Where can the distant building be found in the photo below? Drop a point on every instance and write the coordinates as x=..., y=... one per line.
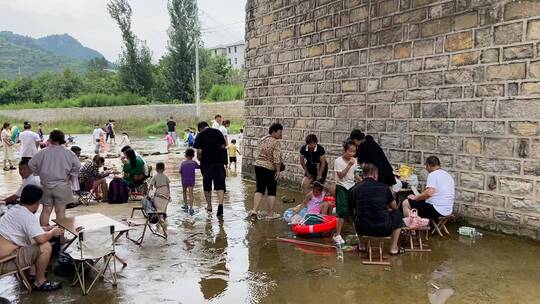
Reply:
x=234, y=53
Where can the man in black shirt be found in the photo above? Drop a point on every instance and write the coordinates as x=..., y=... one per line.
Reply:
x=171, y=128
x=370, y=201
x=313, y=161
x=369, y=151
x=210, y=145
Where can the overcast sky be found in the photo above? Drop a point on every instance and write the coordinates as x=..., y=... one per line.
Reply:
x=89, y=22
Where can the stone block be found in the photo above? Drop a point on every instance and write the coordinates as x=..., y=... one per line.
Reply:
x=268, y=19
x=498, y=147
x=430, y=79
x=497, y=165
x=332, y=47
x=524, y=205
x=489, y=127
x=420, y=126
x=324, y=23
x=395, y=82
x=518, y=52
x=435, y=110
x=450, y=93
x=531, y=168
x=534, y=69
x=465, y=196
x=351, y=58
x=436, y=62
x=402, y=50
x=381, y=111
x=490, y=56
x=449, y=144
x=442, y=126
x=472, y=146
x=458, y=76
x=349, y=86
x=507, y=217
x=491, y=200
x=524, y=128
x=401, y=111
x=425, y=142
x=532, y=221
x=459, y=41
x=372, y=85
x=467, y=58
x=307, y=28
x=509, y=33
x=436, y=27
x=381, y=54
x=413, y=16
x=286, y=33
x=483, y=37
x=517, y=186
x=357, y=42
x=520, y=109
x=506, y=71
x=411, y=65
x=528, y=88
x=307, y=88
x=465, y=21
x=414, y=158
x=285, y=56
x=533, y=30
x=423, y=47
x=490, y=90
x=390, y=141
x=471, y=180
x=420, y=95
x=397, y=156
x=316, y=50
x=376, y=125
x=325, y=124
x=521, y=9
x=388, y=7
x=359, y=13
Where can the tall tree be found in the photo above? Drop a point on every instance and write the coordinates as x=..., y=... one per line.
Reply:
x=183, y=39
x=135, y=64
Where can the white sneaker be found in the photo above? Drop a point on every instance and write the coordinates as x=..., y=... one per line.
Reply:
x=338, y=239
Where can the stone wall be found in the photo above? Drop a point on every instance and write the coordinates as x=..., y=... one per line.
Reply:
x=229, y=110
x=457, y=79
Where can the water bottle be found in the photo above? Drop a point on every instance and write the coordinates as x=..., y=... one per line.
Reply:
x=359, y=170
x=469, y=231
x=339, y=251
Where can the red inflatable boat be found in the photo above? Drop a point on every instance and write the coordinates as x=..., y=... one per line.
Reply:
x=329, y=223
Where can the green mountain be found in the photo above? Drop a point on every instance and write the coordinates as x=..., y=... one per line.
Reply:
x=26, y=56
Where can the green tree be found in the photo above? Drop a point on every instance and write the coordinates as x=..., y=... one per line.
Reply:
x=97, y=64
x=135, y=62
x=179, y=64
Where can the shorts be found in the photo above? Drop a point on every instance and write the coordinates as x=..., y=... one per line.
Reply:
x=60, y=195
x=172, y=134
x=213, y=174
x=8, y=153
x=188, y=183
x=26, y=256
x=396, y=221
x=232, y=159
x=342, y=202
x=425, y=210
x=266, y=181
x=314, y=171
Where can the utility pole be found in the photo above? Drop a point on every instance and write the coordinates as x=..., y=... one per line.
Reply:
x=197, y=92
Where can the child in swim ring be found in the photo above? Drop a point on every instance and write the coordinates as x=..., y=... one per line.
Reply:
x=313, y=204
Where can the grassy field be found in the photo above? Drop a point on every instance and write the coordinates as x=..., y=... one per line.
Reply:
x=135, y=127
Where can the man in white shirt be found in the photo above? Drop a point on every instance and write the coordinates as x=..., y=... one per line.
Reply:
x=225, y=130
x=29, y=142
x=21, y=234
x=437, y=200
x=56, y=166
x=217, y=121
x=96, y=135
x=27, y=179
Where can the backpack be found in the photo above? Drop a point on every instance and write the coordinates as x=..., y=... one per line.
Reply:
x=118, y=192
x=190, y=139
x=150, y=210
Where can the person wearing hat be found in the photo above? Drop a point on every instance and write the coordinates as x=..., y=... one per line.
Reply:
x=56, y=166
x=21, y=234
x=29, y=142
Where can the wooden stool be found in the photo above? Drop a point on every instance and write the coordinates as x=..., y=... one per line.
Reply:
x=415, y=239
x=439, y=226
x=375, y=259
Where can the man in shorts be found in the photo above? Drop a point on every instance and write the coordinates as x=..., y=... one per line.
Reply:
x=171, y=128
x=21, y=234
x=210, y=145
x=56, y=167
x=438, y=198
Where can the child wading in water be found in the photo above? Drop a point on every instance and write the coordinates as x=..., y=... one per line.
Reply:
x=125, y=140
x=187, y=174
x=232, y=149
x=345, y=167
x=170, y=141
x=162, y=184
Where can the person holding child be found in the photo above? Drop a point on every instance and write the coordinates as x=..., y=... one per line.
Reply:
x=187, y=175
x=345, y=167
x=162, y=186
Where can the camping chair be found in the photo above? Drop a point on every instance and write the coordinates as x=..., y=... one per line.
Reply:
x=150, y=216
x=19, y=271
x=94, y=245
x=85, y=195
x=439, y=226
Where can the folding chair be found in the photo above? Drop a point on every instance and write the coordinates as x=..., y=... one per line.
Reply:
x=150, y=216
x=439, y=226
x=94, y=245
x=18, y=271
x=415, y=241
x=377, y=258
x=85, y=195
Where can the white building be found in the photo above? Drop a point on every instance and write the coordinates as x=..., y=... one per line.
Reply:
x=234, y=53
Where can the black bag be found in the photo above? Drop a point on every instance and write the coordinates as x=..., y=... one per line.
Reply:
x=65, y=266
x=150, y=210
x=118, y=192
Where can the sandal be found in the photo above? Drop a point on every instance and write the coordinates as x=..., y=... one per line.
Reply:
x=47, y=286
x=12, y=168
x=6, y=169
x=401, y=250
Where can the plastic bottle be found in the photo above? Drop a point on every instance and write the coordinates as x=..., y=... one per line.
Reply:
x=339, y=251
x=469, y=231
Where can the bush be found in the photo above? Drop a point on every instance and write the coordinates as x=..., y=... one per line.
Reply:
x=223, y=92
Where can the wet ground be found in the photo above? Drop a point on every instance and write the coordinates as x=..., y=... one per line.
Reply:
x=206, y=260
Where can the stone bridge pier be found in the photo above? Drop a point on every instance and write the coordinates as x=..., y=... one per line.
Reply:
x=454, y=78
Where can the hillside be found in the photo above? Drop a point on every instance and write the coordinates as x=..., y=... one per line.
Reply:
x=29, y=56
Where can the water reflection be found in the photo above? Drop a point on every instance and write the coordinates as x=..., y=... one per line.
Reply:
x=215, y=248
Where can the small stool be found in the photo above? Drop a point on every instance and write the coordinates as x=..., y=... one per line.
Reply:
x=374, y=259
x=439, y=226
x=415, y=239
